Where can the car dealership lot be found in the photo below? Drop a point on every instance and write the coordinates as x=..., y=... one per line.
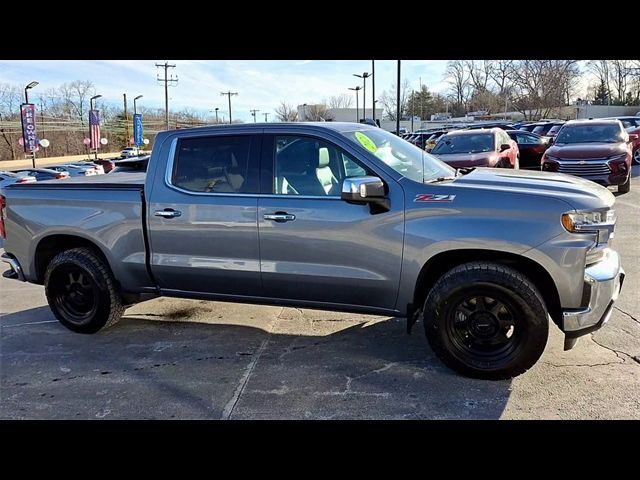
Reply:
x=171, y=358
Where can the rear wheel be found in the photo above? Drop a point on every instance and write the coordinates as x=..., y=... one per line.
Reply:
x=81, y=291
x=486, y=320
x=626, y=186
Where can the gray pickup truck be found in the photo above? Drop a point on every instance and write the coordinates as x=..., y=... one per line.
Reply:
x=336, y=216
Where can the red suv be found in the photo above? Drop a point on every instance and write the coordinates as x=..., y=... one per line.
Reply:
x=478, y=148
x=632, y=125
x=598, y=150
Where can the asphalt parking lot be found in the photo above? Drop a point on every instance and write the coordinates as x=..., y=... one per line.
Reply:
x=186, y=359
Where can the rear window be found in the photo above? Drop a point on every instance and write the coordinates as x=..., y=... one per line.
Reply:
x=481, y=142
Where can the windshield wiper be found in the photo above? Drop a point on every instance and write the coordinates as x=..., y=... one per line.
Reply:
x=440, y=179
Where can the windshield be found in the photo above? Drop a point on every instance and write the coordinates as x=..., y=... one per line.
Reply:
x=475, y=143
x=406, y=159
x=590, y=134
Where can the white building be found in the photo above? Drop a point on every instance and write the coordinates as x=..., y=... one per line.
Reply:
x=337, y=114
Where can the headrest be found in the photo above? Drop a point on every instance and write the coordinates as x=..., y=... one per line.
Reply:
x=323, y=157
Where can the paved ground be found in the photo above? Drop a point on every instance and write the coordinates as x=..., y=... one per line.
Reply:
x=194, y=359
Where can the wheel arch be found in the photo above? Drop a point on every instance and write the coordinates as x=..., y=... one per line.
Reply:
x=441, y=263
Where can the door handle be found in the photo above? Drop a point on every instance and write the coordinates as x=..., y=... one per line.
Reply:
x=167, y=213
x=280, y=217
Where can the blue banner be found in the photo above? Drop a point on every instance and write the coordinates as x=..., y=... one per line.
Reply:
x=137, y=129
x=28, y=117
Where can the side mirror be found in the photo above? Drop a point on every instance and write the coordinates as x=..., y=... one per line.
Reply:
x=504, y=146
x=550, y=140
x=370, y=190
x=633, y=137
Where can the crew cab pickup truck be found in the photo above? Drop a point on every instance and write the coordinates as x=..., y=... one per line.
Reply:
x=336, y=216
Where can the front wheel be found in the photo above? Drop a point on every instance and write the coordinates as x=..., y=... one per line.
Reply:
x=636, y=156
x=486, y=320
x=81, y=291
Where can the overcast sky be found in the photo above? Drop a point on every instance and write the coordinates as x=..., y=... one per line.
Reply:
x=261, y=84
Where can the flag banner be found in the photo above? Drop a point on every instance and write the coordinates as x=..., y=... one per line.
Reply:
x=137, y=129
x=94, y=129
x=28, y=116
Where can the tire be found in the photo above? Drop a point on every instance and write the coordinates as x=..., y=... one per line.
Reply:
x=636, y=156
x=476, y=342
x=626, y=186
x=81, y=291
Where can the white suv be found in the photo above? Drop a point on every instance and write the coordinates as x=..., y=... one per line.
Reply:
x=129, y=152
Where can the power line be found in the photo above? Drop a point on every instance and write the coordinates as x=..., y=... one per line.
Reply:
x=229, y=94
x=167, y=81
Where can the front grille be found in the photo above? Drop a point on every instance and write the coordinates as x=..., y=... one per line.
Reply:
x=584, y=169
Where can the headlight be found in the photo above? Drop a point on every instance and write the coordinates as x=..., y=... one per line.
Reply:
x=601, y=222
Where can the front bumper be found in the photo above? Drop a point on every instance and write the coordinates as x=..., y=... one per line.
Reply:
x=15, y=271
x=602, y=284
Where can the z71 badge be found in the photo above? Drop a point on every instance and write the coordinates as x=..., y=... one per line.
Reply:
x=432, y=197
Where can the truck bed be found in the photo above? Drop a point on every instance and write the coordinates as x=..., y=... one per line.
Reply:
x=106, y=210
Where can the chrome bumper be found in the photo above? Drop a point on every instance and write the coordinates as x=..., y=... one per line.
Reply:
x=602, y=285
x=16, y=271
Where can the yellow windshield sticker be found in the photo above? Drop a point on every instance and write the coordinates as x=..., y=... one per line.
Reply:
x=366, y=142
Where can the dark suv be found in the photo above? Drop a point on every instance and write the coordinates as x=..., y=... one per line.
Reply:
x=598, y=150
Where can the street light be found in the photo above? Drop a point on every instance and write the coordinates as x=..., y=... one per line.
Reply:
x=364, y=77
x=304, y=109
x=216, y=110
x=26, y=94
x=91, y=108
x=357, y=89
x=134, y=103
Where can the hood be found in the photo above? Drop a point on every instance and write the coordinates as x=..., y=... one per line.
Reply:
x=586, y=151
x=578, y=192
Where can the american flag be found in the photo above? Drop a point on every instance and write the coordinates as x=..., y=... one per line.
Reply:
x=94, y=126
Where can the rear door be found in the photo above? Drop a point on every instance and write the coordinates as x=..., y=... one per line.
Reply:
x=314, y=246
x=202, y=216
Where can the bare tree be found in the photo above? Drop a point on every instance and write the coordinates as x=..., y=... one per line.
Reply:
x=457, y=76
x=388, y=100
x=600, y=68
x=479, y=72
x=286, y=113
x=621, y=77
x=500, y=72
x=340, y=101
x=10, y=98
x=539, y=86
x=76, y=95
x=317, y=113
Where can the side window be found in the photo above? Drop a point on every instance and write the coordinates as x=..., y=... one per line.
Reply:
x=527, y=139
x=310, y=166
x=215, y=165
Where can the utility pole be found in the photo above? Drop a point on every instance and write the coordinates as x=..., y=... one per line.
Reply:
x=253, y=114
x=420, y=101
x=265, y=117
x=126, y=120
x=167, y=81
x=229, y=94
x=373, y=88
x=216, y=110
x=398, y=102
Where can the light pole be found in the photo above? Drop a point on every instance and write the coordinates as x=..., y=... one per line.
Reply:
x=135, y=111
x=216, y=110
x=95, y=97
x=266, y=114
x=364, y=77
x=373, y=88
x=304, y=110
x=357, y=89
x=26, y=100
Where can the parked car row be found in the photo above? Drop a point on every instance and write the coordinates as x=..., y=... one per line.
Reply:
x=600, y=150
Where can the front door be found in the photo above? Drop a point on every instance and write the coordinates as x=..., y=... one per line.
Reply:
x=202, y=216
x=316, y=247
